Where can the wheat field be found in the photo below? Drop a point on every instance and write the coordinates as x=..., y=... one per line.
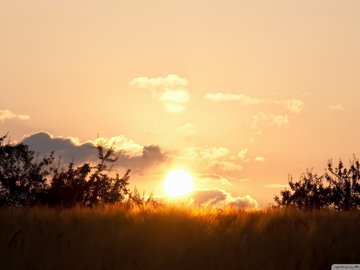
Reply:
x=176, y=237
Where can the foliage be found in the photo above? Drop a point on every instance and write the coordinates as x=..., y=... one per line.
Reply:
x=344, y=184
x=338, y=188
x=88, y=185
x=22, y=177
x=24, y=181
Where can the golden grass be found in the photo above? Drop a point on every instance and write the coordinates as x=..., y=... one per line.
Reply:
x=176, y=237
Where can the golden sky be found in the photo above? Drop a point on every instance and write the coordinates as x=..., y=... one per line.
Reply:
x=241, y=93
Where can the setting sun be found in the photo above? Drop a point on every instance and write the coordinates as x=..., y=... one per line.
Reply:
x=178, y=183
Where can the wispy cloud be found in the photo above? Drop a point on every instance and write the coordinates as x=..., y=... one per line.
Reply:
x=188, y=130
x=336, y=107
x=292, y=105
x=7, y=114
x=244, y=99
x=171, y=81
x=205, y=153
x=213, y=179
x=260, y=159
x=171, y=91
x=242, y=154
x=260, y=119
x=279, y=120
x=225, y=166
x=213, y=160
x=276, y=185
x=119, y=143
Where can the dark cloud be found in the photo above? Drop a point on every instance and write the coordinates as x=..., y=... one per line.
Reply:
x=151, y=155
x=69, y=150
x=43, y=143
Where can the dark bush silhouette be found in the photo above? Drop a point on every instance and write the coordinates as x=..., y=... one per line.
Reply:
x=88, y=185
x=25, y=181
x=308, y=193
x=344, y=184
x=338, y=188
x=22, y=177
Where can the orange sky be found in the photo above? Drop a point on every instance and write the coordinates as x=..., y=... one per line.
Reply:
x=242, y=93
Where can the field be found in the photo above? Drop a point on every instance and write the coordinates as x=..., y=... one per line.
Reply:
x=176, y=237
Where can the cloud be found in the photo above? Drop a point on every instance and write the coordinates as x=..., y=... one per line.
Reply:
x=213, y=178
x=205, y=153
x=221, y=198
x=337, y=107
x=218, y=97
x=276, y=185
x=188, y=130
x=171, y=91
x=225, y=166
x=209, y=197
x=131, y=155
x=243, y=154
x=174, y=100
x=179, y=96
x=119, y=143
x=168, y=82
x=256, y=121
x=69, y=149
x=292, y=105
x=260, y=119
x=216, y=160
x=279, y=120
x=260, y=159
x=7, y=114
x=246, y=202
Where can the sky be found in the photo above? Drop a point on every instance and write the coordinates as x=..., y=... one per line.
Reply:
x=241, y=94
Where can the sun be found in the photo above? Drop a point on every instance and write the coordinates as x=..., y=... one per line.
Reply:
x=178, y=183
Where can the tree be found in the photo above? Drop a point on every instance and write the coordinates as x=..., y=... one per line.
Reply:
x=22, y=176
x=88, y=185
x=344, y=184
x=339, y=191
x=25, y=181
x=308, y=193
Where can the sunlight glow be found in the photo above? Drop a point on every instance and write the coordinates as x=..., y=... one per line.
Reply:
x=178, y=183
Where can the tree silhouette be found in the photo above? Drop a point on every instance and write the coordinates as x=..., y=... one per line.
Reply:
x=345, y=185
x=22, y=177
x=308, y=193
x=338, y=188
x=26, y=181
